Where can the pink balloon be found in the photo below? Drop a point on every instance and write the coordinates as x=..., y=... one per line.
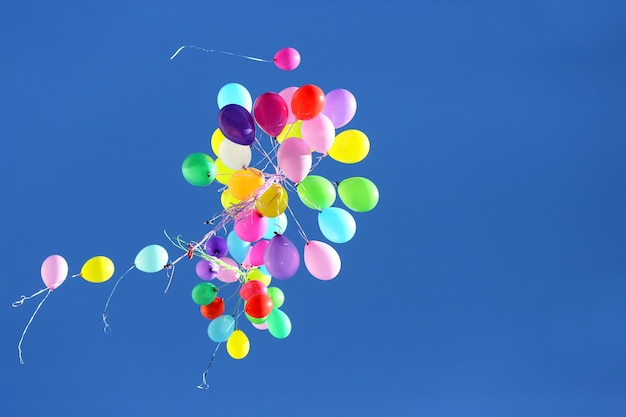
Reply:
x=321, y=260
x=270, y=113
x=340, y=107
x=294, y=159
x=54, y=270
x=250, y=226
x=255, y=256
x=287, y=59
x=286, y=94
x=226, y=274
x=261, y=326
x=318, y=133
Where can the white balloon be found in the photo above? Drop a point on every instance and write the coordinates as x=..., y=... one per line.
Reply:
x=234, y=155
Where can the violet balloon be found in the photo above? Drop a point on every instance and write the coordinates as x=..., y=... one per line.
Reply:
x=237, y=124
x=206, y=270
x=216, y=246
x=340, y=107
x=270, y=113
x=282, y=259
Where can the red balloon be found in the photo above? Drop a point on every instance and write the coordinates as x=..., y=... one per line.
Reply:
x=252, y=288
x=213, y=310
x=259, y=306
x=307, y=102
x=270, y=113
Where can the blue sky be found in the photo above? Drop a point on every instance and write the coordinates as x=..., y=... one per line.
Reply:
x=489, y=280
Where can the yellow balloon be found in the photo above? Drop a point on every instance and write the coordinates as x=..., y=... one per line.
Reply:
x=350, y=146
x=238, y=345
x=244, y=182
x=97, y=269
x=222, y=172
x=228, y=200
x=256, y=275
x=216, y=138
x=273, y=201
x=291, y=130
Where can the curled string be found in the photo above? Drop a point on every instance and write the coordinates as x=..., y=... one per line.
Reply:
x=24, y=298
x=107, y=326
x=219, y=52
x=204, y=384
x=19, y=345
x=170, y=275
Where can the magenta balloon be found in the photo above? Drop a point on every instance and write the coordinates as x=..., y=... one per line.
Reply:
x=318, y=133
x=287, y=94
x=271, y=112
x=54, y=270
x=294, y=159
x=321, y=260
x=228, y=274
x=340, y=107
x=287, y=59
x=255, y=256
x=250, y=226
x=282, y=259
x=237, y=124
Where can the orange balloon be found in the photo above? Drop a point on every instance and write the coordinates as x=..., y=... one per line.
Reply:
x=244, y=182
x=307, y=102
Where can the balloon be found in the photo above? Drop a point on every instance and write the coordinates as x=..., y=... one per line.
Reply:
x=199, y=169
x=204, y=293
x=216, y=140
x=54, y=270
x=234, y=93
x=294, y=159
x=340, y=107
x=234, y=156
x=206, y=270
x=216, y=246
x=97, y=269
x=287, y=59
x=255, y=320
x=270, y=113
x=277, y=296
x=255, y=256
x=259, y=305
x=252, y=288
x=318, y=133
x=336, y=224
x=221, y=328
x=276, y=225
x=250, y=226
x=281, y=257
x=237, y=248
x=261, y=326
x=257, y=275
x=292, y=130
x=316, y=192
x=350, y=146
x=152, y=258
x=227, y=199
x=237, y=124
x=238, y=345
x=287, y=94
x=278, y=324
x=307, y=102
x=244, y=182
x=358, y=194
x=321, y=260
x=273, y=201
x=214, y=309
x=222, y=172
x=228, y=274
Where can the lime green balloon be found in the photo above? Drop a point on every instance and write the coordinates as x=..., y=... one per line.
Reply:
x=199, y=169
x=358, y=194
x=256, y=320
x=277, y=296
x=316, y=192
x=204, y=293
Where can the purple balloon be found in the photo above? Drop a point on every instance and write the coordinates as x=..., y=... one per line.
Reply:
x=281, y=257
x=216, y=246
x=340, y=107
x=237, y=124
x=206, y=270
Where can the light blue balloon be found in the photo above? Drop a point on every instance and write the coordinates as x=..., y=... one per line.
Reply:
x=152, y=258
x=234, y=93
x=264, y=270
x=336, y=224
x=237, y=248
x=221, y=328
x=276, y=225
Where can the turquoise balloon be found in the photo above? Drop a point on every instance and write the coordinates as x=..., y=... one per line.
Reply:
x=264, y=270
x=152, y=258
x=336, y=224
x=237, y=248
x=221, y=328
x=278, y=324
x=234, y=93
x=275, y=225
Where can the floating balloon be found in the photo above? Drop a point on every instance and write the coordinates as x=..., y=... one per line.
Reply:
x=250, y=226
x=152, y=258
x=294, y=159
x=252, y=288
x=350, y=146
x=228, y=273
x=214, y=309
x=234, y=156
x=257, y=275
x=255, y=256
x=270, y=113
x=281, y=257
x=277, y=296
x=321, y=260
x=227, y=199
x=307, y=102
x=318, y=133
x=336, y=224
x=216, y=246
x=291, y=130
x=244, y=182
x=206, y=270
x=199, y=169
x=287, y=59
x=237, y=247
x=273, y=202
x=97, y=269
x=237, y=124
x=259, y=305
x=234, y=93
x=204, y=293
x=238, y=345
x=358, y=194
x=287, y=94
x=54, y=270
x=340, y=107
x=222, y=172
x=278, y=324
x=221, y=328
x=276, y=226
x=316, y=192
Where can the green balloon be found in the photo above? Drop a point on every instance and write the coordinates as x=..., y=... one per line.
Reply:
x=316, y=192
x=256, y=320
x=277, y=296
x=199, y=169
x=278, y=324
x=358, y=194
x=204, y=293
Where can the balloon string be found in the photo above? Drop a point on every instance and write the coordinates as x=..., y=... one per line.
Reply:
x=300, y=229
x=204, y=384
x=219, y=52
x=24, y=298
x=170, y=275
x=19, y=345
x=107, y=326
